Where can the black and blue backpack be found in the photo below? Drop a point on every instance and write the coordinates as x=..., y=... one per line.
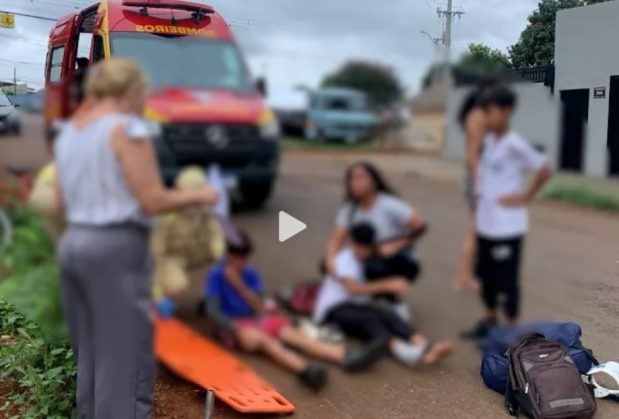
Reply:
x=495, y=366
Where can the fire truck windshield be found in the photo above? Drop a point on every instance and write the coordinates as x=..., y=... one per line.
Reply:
x=185, y=61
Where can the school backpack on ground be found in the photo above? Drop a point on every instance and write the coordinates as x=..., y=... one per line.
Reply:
x=299, y=298
x=494, y=365
x=544, y=382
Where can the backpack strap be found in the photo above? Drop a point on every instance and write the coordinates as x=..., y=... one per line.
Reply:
x=511, y=401
x=588, y=379
x=589, y=353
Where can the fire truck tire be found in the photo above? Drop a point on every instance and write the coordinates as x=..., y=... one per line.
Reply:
x=255, y=195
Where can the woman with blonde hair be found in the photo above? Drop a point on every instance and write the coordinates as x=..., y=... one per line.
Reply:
x=109, y=186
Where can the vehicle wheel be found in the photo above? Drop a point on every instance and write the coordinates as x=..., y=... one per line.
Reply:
x=255, y=195
x=17, y=130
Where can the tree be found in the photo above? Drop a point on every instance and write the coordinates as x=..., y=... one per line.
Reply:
x=379, y=82
x=479, y=60
x=536, y=45
x=482, y=59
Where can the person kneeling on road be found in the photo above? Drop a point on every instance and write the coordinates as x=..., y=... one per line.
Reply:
x=345, y=300
x=234, y=301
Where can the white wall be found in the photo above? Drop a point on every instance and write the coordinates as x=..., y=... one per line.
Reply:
x=586, y=55
x=536, y=118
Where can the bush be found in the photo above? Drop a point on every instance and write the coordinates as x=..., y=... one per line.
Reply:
x=35, y=359
x=42, y=374
x=31, y=282
x=584, y=197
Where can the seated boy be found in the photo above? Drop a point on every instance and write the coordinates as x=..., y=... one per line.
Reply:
x=234, y=292
x=502, y=216
x=345, y=301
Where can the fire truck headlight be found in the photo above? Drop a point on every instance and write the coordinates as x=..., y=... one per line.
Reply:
x=269, y=126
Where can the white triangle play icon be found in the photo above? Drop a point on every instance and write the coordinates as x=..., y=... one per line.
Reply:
x=289, y=226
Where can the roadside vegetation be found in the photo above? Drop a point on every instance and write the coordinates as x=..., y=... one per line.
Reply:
x=299, y=144
x=37, y=372
x=584, y=197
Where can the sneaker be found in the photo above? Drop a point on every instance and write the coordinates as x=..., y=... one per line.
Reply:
x=314, y=376
x=361, y=358
x=480, y=331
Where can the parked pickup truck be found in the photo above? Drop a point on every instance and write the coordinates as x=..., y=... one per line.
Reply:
x=339, y=114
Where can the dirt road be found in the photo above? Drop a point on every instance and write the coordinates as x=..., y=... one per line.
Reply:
x=571, y=273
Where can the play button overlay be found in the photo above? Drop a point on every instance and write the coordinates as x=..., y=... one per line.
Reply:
x=289, y=226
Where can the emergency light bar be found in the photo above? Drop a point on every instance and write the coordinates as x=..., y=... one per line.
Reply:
x=198, y=11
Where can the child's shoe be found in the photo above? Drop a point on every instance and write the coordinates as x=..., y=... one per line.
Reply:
x=314, y=376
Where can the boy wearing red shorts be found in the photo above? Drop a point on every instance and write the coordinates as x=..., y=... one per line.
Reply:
x=234, y=301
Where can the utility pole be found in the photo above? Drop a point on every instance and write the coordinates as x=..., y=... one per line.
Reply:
x=436, y=41
x=448, y=14
x=437, y=50
x=15, y=81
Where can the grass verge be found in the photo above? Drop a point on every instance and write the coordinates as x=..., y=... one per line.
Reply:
x=297, y=144
x=584, y=197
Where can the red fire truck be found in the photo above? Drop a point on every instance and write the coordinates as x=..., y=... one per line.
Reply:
x=203, y=105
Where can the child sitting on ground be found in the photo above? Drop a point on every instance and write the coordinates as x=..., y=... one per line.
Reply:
x=234, y=301
x=345, y=300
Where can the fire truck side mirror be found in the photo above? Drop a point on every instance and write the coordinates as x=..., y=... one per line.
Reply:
x=261, y=86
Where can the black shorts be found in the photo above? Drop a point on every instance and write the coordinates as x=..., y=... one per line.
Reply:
x=368, y=322
x=498, y=269
x=401, y=265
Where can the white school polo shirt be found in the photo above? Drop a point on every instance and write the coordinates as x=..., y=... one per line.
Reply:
x=333, y=292
x=504, y=162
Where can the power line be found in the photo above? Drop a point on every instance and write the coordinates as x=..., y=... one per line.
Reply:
x=62, y=4
x=19, y=38
x=49, y=19
x=20, y=62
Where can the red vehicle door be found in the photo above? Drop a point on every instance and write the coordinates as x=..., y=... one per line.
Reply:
x=59, y=69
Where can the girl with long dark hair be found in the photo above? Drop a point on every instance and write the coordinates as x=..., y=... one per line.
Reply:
x=370, y=199
x=472, y=119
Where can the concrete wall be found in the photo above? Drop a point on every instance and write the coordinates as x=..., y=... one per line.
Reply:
x=427, y=132
x=537, y=119
x=586, y=56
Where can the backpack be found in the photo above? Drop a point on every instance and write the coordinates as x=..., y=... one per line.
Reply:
x=299, y=299
x=544, y=382
x=494, y=365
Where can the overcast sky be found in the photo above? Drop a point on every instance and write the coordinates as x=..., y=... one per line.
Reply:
x=296, y=42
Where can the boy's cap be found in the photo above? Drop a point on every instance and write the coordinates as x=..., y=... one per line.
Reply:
x=363, y=234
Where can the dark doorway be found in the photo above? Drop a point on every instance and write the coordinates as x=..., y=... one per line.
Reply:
x=613, y=126
x=575, y=117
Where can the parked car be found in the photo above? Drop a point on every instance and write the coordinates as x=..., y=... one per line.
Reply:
x=339, y=114
x=9, y=116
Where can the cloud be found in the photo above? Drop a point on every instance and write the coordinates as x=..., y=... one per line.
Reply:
x=297, y=41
